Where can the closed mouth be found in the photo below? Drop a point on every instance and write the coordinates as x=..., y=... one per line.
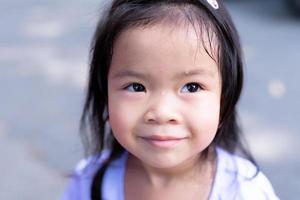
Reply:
x=163, y=141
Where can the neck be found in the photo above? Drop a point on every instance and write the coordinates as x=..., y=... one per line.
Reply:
x=192, y=170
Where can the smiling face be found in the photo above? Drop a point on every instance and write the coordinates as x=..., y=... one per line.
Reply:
x=163, y=94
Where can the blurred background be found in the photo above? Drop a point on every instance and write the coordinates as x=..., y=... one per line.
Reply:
x=44, y=49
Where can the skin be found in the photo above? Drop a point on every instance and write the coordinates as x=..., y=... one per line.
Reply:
x=164, y=103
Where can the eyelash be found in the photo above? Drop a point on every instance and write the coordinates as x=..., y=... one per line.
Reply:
x=190, y=87
x=195, y=87
x=135, y=87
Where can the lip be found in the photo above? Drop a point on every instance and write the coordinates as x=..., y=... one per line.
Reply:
x=163, y=141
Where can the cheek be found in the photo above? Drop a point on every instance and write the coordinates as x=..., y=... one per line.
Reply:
x=117, y=117
x=205, y=119
x=123, y=116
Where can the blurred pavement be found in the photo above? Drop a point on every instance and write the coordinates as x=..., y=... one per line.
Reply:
x=43, y=66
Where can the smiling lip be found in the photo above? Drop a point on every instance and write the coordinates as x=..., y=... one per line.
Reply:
x=163, y=141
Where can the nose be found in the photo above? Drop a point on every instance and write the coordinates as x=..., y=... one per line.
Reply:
x=162, y=109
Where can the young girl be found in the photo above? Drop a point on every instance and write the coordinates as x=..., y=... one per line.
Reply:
x=164, y=82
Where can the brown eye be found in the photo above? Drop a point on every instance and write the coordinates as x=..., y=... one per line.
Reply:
x=136, y=87
x=191, y=88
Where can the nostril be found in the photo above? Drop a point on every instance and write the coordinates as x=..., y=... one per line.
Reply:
x=151, y=120
x=173, y=121
x=160, y=118
x=149, y=117
x=161, y=111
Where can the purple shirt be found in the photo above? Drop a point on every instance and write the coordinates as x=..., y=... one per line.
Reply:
x=233, y=179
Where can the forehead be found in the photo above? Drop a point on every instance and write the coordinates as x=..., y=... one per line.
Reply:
x=198, y=35
x=161, y=45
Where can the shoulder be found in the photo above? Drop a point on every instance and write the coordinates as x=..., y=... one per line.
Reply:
x=81, y=179
x=240, y=179
x=89, y=165
x=231, y=164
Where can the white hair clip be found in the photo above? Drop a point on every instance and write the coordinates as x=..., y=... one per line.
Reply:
x=213, y=3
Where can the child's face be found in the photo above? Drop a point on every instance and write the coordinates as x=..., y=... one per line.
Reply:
x=163, y=95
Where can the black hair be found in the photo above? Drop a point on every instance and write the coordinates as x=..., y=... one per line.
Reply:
x=124, y=14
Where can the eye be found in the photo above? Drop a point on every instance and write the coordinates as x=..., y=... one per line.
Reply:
x=191, y=88
x=135, y=87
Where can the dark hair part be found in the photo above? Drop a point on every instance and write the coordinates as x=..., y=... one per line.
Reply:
x=124, y=14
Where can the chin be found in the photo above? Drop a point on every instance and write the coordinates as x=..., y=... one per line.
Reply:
x=165, y=162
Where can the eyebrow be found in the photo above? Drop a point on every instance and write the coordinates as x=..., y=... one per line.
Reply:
x=129, y=73
x=194, y=72
x=180, y=75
